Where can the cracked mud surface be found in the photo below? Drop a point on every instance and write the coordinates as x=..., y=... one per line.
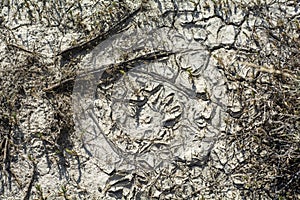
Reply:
x=169, y=106
x=149, y=100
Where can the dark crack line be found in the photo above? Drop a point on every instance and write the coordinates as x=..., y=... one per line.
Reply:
x=84, y=48
x=32, y=180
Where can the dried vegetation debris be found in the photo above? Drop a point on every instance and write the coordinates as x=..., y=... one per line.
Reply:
x=266, y=83
x=35, y=125
x=255, y=44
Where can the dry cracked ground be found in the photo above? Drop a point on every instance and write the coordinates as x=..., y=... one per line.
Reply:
x=149, y=99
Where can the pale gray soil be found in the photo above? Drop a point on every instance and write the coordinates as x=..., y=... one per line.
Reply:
x=157, y=99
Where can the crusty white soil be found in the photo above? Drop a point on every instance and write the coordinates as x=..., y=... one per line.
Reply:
x=48, y=153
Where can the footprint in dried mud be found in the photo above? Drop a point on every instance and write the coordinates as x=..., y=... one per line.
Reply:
x=145, y=99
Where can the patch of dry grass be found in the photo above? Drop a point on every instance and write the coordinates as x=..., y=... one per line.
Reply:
x=268, y=128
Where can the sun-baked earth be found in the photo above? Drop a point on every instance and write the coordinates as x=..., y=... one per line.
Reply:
x=149, y=99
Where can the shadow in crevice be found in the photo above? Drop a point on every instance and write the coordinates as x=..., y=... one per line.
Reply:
x=64, y=142
x=65, y=145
